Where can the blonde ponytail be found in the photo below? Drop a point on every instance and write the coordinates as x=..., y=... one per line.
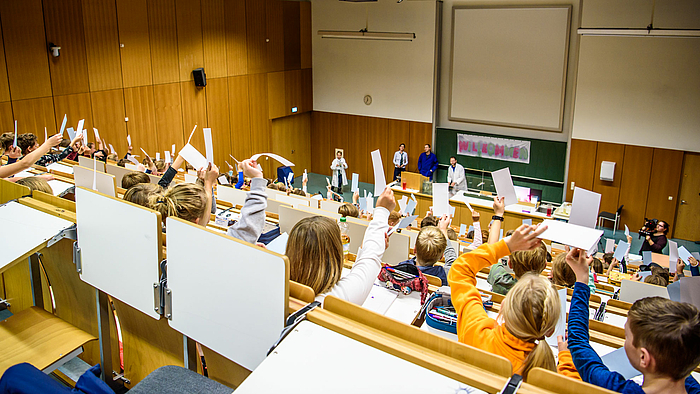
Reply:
x=186, y=201
x=529, y=312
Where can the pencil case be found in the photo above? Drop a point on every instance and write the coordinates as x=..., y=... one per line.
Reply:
x=437, y=313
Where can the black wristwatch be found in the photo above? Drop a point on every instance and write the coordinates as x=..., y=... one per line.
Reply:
x=496, y=217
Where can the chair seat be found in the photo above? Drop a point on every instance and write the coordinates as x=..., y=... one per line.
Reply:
x=39, y=338
x=172, y=379
x=607, y=215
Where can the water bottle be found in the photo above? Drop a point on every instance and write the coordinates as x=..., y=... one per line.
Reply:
x=344, y=237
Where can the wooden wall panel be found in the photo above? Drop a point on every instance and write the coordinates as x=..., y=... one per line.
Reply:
x=306, y=34
x=329, y=131
x=357, y=148
x=634, y=184
x=239, y=113
x=108, y=116
x=419, y=135
x=236, y=49
x=582, y=164
x=292, y=91
x=276, y=95
x=4, y=84
x=610, y=191
x=189, y=37
x=34, y=114
x=77, y=107
x=162, y=27
x=275, y=35
x=219, y=121
x=25, y=49
x=256, y=36
x=64, y=27
x=664, y=183
x=7, y=120
x=377, y=139
x=307, y=90
x=139, y=108
x=260, y=128
x=136, y=50
x=214, y=38
x=292, y=35
x=194, y=112
x=102, y=44
x=168, y=107
x=291, y=138
x=397, y=133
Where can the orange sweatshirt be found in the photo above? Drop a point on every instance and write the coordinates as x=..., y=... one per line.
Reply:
x=474, y=327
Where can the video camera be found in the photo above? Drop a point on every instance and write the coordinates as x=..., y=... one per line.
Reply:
x=649, y=227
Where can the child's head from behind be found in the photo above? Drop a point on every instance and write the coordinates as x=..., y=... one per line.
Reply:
x=35, y=183
x=451, y=234
x=187, y=201
x=315, y=253
x=27, y=142
x=523, y=261
x=394, y=218
x=562, y=274
x=133, y=178
x=597, y=266
x=661, y=272
x=430, y=245
x=348, y=209
x=429, y=220
x=666, y=332
x=140, y=193
x=655, y=279
x=530, y=312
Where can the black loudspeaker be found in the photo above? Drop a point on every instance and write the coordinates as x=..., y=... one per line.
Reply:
x=200, y=78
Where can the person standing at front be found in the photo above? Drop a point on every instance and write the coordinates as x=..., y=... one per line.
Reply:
x=400, y=161
x=339, y=178
x=427, y=163
x=455, y=175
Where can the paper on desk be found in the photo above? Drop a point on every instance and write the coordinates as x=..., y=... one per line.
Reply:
x=379, y=179
x=223, y=180
x=441, y=197
x=584, y=208
x=527, y=221
x=674, y=291
x=273, y=156
x=627, y=231
x=63, y=125
x=560, y=328
x=128, y=139
x=410, y=207
x=279, y=244
x=621, y=250
x=690, y=290
x=403, y=223
x=570, y=234
x=402, y=203
x=462, y=229
x=609, y=245
x=646, y=257
x=617, y=361
x=504, y=185
x=192, y=156
x=684, y=254
x=672, y=256
x=380, y=299
x=208, y=144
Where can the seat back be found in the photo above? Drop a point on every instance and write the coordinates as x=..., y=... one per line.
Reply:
x=619, y=210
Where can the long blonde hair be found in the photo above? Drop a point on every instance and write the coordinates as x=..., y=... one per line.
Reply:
x=36, y=183
x=529, y=312
x=187, y=201
x=315, y=253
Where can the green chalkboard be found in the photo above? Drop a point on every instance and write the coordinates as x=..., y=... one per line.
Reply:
x=545, y=170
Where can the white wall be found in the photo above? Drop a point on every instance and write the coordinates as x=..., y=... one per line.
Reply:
x=398, y=75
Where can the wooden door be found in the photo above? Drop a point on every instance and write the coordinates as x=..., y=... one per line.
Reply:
x=688, y=214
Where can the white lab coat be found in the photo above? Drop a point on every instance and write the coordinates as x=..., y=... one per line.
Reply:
x=457, y=176
x=339, y=165
x=398, y=158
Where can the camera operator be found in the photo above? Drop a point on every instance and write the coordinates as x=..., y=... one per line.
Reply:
x=655, y=241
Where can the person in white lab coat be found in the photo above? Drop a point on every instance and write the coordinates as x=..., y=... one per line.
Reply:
x=400, y=161
x=455, y=175
x=339, y=178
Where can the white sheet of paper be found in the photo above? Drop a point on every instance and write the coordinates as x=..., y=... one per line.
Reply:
x=168, y=159
x=71, y=133
x=672, y=256
x=462, y=229
x=441, y=197
x=63, y=125
x=132, y=159
x=570, y=234
x=380, y=299
x=15, y=143
x=674, y=291
x=403, y=223
x=560, y=328
x=684, y=254
x=223, y=180
x=355, y=183
x=410, y=207
x=279, y=244
x=192, y=156
x=379, y=179
x=690, y=290
x=157, y=156
x=402, y=203
x=500, y=236
x=609, y=245
x=620, y=250
x=470, y=229
x=370, y=204
x=190, y=178
x=363, y=203
x=111, y=149
x=208, y=144
x=172, y=150
x=527, y=221
x=617, y=361
x=191, y=134
x=305, y=176
x=144, y=152
x=696, y=255
x=290, y=178
x=504, y=185
x=273, y=156
x=132, y=167
x=584, y=208
x=469, y=206
x=46, y=135
x=97, y=134
x=81, y=122
x=646, y=257
x=627, y=231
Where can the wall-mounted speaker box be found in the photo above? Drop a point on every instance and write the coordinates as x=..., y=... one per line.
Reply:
x=607, y=171
x=200, y=78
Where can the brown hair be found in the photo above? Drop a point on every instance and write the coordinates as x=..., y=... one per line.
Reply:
x=451, y=234
x=25, y=141
x=315, y=253
x=608, y=257
x=662, y=272
x=562, y=274
x=35, y=183
x=6, y=140
x=160, y=165
x=670, y=331
x=655, y=279
x=430, y=245
x=348, y=209
x=122, y=163
x=394, y=218
x=524, y=261
x=597, y=266
x=529, y=312
x=133, y=178
x=298, y=192
x=140, y=193
x=113, y=157
x=429, y=220
x=187, y=201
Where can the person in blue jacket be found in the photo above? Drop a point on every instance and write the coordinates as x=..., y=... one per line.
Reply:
x=427, y=162
x=662, y=340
